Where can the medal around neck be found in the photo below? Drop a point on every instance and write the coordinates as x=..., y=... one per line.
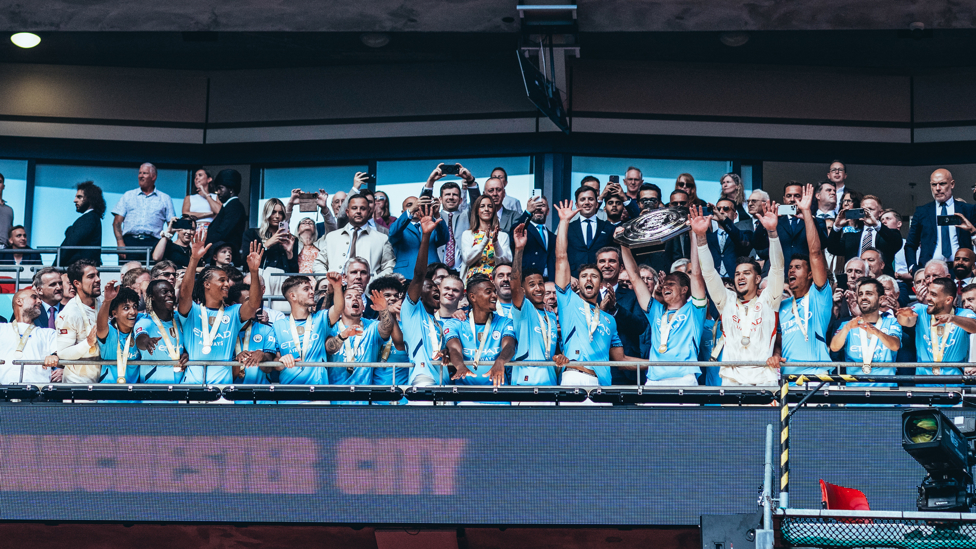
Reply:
x=654, y=228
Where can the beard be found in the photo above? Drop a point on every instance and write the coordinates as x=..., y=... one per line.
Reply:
x=29, y=315
x=81, y=208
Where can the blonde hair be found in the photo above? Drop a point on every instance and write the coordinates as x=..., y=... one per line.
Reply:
x=266, y=230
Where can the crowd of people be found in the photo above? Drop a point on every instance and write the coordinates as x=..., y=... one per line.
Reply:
x=463, y=284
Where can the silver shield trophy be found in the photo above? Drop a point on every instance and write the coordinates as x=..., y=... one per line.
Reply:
x=652, y=229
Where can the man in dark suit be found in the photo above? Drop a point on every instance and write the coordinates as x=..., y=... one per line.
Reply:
x=791, y=230
x=229, y=225
x=87, y=229
x=540, y=249
x=938, y=242
x=680, y=246
x=874, y=234
x=725, y=240
x=495, y=188
x=405, y=237
x=621, y=303
x=47, y=282
x=588, y=233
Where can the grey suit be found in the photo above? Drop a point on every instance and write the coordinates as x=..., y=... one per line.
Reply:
x=507, y=219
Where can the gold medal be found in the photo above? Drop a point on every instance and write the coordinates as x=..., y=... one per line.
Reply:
x=662, y=349
x=301, y=330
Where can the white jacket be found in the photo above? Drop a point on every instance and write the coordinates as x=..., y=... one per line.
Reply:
x=372, y=245
x=75, y=321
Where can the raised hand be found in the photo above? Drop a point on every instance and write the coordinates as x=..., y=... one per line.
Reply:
x=293, y=199
x=466, y=175
x=335, y=279
x=565, y=210
x=199, y=246
x=322, y=199
x=379, y=301
x=519, y=237
x=699, y=223
x=151, y=345
x=769, y=217
x=906, y=312
x=943, y=319
x=428, y=223
x=806, y=199
x=254, y=258
x=360, y=179
x=111, y=290
x=352, y=331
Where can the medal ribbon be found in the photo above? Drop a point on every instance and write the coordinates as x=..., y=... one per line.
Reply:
x=868, y=345
x=238, y=348
x=303, y=343
x=350, y=347
x=592, y=318
x=434, y=333
x=209, y=334
x=740, y=316
x=804, y=327
x=546, y=325
x=122, y=357
x=170, y=348
x=485, y=333
x=23, y=337
x=938, y=351
x=666, y=326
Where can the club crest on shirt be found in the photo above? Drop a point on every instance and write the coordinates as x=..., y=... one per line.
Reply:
x=257, y=338
x=496, y=335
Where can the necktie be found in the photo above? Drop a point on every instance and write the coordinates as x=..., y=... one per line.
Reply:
x=866, y=241
x=946, y=244
x=542, y=235
x=51, y=313
x=589, y=232
x=449, y=250
x=722, y=238
x=352, y=245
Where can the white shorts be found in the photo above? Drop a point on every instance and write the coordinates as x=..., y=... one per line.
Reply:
x=422, y=380
x=683, y=381
x=575, y=378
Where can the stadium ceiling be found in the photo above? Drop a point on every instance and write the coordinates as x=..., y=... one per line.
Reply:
x=492, y=16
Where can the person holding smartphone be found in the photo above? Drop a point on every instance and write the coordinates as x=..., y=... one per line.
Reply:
x=178, y=250
x=281, y=247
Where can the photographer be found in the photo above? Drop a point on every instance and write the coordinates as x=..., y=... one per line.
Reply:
x=177, y=251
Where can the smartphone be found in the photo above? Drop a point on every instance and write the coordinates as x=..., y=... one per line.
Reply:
x=947, y=220
x=787, y=209
x=306, y=202
x=283, y=226
x=856, y=213
x=842, y=281
x=615, y=179
x=450, y=169
x=535, y=192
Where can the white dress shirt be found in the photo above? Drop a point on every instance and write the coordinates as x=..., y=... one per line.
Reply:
x=41, y=343
x=953, y=235
x=592, y=222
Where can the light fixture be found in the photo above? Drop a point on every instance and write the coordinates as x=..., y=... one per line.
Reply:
x=375, y=39
x=734, y=39
x=25, y=39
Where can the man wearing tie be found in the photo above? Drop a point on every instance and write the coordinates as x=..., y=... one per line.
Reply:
x=937, y=241
x=872, y=235
x=47, y=282
x=726, y=241
x=454, y=211
x=791, y=229
x=539, y=253
x=588, y=233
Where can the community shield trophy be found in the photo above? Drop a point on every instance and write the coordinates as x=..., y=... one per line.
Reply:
x=652, y=229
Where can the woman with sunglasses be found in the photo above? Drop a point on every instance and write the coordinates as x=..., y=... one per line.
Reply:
x=686, y=183
x=381, y=210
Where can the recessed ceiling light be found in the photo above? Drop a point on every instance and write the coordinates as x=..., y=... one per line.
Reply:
x=375, y=39
x=25, y=39
x=734, y=39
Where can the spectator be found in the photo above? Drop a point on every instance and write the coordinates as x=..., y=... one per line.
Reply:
x=756, y=201
x=501, y=277
x=837, y=174
x=360, y=179
x=230, y=223
x=734, y=190
x=68, y=289
x=405, y=236
x=165, y=270
x=893, y=220
x=963, y=268
x=621, y=303
x=307, y=251
x=17, y=240
x=87, y=229
x=337, y=201
x=280, y=246
x=826, y=202
x=791, y=229
x=22, y=340
x=874, y=262
x=178, y=251
x=328, y=223
x=686, y=182
x=872, y=234
x=221, y=254
x=484, y=244
x=594, y=183
x=454, y=210
x=381, y=210
x=509, y=203
x=540, y=249
x=202, y=205
x=50, y=290
x=588, y=233
x=75, y=323
x=137, y=280
x=550, y=296
x=356, y=238
x=680, y=266
x=634, y=180
x=929, y=239
x=141, y=214
x=649, y=198
x=613, y=207
x=679, y=247
x=495, y=188
x=725, y=239
x=6, y=215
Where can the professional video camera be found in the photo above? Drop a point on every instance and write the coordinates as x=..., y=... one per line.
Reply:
x=945, y=449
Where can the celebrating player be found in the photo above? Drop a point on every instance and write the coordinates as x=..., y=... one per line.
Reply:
x=358, y=339
x=942, y=330
x=254, y=344
x=873, y=337
x=485, y=337
x=421, y=330
x=302, y=335
x=158, y=335
x=123, y=303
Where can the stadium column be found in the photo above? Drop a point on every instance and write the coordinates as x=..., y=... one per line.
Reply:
x=784, y=444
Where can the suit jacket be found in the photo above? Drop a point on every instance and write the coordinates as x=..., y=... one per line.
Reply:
x=85, y=231
x=41, y=321
x=848, y=245
x=372, y=245
x=736, y=246
x=581, y=254
x=792, y=238
x=538, y=254
x=459, y=222
x=229, y=226
x=677, y=248
x=923, y=232
x=405, y=238
x=506, y=221
x=631, y=324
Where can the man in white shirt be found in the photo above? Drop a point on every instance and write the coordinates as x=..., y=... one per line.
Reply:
x=76, y=323
x=748, y=318
x=355, y=239
x=22, y=340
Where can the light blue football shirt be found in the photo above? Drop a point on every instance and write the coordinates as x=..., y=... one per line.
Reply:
x=500, y=328
x=108, y=350
x=162, y=373
x=530, y=325
x=223, y=344
x=262, y=339
x=854, y=351
x=424, y=337
x=817, y=306
x=365, y=348
x=957, y=344
x=304, y=375
x=576, y=341
x=683, y=340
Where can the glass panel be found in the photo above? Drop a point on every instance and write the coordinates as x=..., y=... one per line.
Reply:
x=403, y=178
x=661, y=172
x=278, y=183
x=15, y=188
x=54, y=192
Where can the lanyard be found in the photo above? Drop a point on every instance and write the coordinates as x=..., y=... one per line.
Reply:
x=500, y=310
x=23, y=337
x=170, y=348
x=434, y=333
x=868, y=344
x=484, y=336
x=939, y=343
x=546, y=326
x=122, y=357
x=666, y=326
x=210, y=333
x=592, y=318
x=350, y=347
x=302, y=344
x=802, y=322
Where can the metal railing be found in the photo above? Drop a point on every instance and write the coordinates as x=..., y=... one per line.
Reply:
x=113, y=250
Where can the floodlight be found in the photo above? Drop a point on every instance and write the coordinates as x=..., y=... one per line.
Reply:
x=25, y=39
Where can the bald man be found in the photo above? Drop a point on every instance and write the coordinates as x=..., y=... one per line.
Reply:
x=926, y=237
x=22, y=340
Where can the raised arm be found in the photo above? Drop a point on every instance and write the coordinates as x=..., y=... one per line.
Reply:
x=427, y=226
x=101, y=322
x=253, y=303
x=641, y=290
x=385, y=317
x=519, y=239
x=564, y=272
x=713, y=282
x=694, y=271
x=159, y=252
x=777, y=269
x=198, y=249
x=818, y=262
x=338, y=297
